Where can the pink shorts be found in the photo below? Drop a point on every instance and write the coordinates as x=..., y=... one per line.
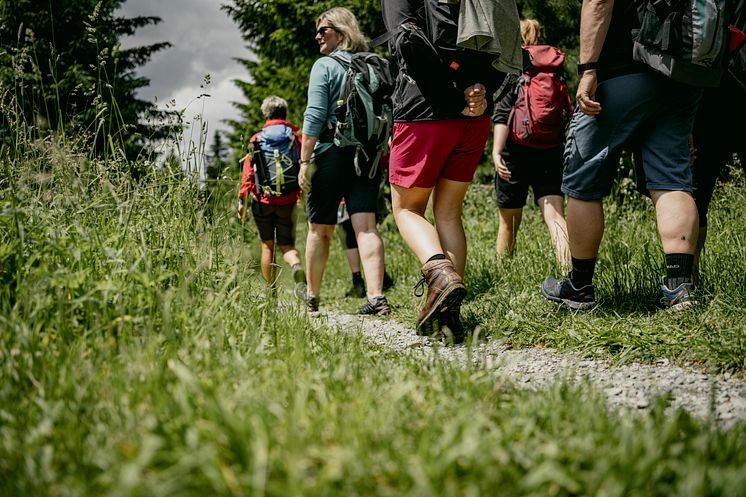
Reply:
x=423, y=152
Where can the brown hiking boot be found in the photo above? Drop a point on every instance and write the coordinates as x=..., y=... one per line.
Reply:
x=445, y=290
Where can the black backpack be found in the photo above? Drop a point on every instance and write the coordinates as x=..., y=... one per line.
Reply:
x=275, y=158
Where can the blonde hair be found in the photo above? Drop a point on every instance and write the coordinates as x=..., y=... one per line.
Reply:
x=344, y=22
x=530, y=32
x=274, y=107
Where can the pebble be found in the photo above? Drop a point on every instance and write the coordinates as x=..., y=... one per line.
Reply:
x=633, y=385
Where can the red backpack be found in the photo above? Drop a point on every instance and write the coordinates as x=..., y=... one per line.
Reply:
x=542, y=107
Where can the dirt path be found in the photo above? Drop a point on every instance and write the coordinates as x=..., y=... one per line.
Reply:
x=633, y=386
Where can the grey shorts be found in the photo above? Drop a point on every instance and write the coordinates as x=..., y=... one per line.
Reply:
x=644, y=111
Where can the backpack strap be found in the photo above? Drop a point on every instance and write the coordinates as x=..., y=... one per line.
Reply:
x=342, y=61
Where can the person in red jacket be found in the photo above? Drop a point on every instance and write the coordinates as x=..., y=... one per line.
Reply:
x=274, y=190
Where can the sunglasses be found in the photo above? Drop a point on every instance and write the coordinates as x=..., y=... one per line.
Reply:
x=322, y=30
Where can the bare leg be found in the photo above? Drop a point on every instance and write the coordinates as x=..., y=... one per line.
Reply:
x=370, y=246
x=268, y=261
x=509, y=221
x=552, y=209
x=677, y=219
x=409, y=206
x=585, y=227
x=317, y=254
x=353, y=259
x=448, y=198
x=290, y=255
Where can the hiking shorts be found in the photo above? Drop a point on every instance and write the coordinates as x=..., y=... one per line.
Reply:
x=540, y=169
x=645, y=111
x=335, y=179
x=274, y=222
x=715, y=143
x=422, y=152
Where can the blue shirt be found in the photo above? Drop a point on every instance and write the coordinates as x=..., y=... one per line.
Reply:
x=324, y=85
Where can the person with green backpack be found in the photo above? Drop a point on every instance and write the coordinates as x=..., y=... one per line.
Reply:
x=328, y=171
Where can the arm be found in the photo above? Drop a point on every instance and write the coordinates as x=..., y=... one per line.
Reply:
x=247, y=185
x=499, y=138
x=308, y=143
x=595, y=17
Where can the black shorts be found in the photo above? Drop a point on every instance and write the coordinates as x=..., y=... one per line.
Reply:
x=539, y=169
x=335, y=179
x=716, y=142
x=274, y=222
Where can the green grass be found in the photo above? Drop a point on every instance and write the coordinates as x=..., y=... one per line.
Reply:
x=504, y=302
x=140, y=356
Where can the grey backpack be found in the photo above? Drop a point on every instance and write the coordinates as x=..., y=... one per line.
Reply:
x=685, y=40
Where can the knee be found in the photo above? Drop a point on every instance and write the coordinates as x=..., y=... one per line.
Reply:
x=320, y=233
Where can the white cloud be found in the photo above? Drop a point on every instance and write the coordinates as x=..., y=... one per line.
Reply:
x=205, y=41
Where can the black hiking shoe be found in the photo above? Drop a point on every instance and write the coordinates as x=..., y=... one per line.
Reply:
x=358, y=288
x=563, y=292
x=377, y=306
x=388, y=281
x=299, y=276
x=312, y=304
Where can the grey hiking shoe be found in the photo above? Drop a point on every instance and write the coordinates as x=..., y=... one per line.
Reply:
x=299, y=276
x=377, y=306
x=676, y=299
x=563, y=292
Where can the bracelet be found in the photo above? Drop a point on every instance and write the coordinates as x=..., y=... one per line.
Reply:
x=304, y=162
x=588, y=66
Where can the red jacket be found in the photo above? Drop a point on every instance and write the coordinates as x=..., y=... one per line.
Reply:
x=247, y=177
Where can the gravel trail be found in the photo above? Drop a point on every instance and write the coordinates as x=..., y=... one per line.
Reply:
x=633, y=386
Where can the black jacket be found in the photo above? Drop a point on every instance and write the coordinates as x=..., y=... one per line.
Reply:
x=431, y=81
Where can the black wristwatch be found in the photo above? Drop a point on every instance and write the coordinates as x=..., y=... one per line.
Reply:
x=586, y=67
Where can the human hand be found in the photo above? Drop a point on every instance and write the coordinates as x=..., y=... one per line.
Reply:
x=304, y=175
x=586, y=94
x=476, y=100
x=500, y=167
x=241, y=211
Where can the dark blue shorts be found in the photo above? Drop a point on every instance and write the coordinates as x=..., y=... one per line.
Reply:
x=334, y=180
x=644, y=111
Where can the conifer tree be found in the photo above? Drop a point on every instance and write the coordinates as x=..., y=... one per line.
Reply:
x=62, y=70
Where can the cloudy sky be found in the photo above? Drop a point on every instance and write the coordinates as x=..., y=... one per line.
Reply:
x=205, y=41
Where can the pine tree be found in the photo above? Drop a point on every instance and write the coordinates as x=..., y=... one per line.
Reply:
x=62, y=70
x=280, y=33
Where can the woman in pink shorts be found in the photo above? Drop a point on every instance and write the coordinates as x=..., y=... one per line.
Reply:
x=441, y=108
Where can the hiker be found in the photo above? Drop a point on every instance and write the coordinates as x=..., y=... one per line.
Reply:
x=349, y=242
x=327, y=171
x=621, y=99
x=714, y=144
x=273, y=202
x=538, y=166
x=441, y=125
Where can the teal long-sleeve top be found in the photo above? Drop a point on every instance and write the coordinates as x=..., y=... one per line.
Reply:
x=323, y=92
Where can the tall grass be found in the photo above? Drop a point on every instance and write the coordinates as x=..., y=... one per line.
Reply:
x=140, y=356
x=504, y=301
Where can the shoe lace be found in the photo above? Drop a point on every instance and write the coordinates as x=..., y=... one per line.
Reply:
x=419, y=288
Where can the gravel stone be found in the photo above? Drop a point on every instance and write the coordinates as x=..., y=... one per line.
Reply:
x=720, y=397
